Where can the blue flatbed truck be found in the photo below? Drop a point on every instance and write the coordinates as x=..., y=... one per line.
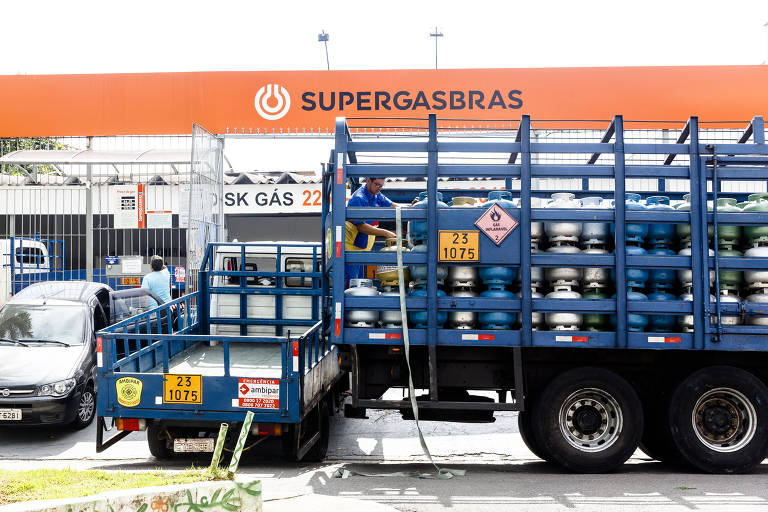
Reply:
x=249, y=339
x=586, y=399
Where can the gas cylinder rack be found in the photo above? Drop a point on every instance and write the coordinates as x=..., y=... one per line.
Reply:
x=521, y=364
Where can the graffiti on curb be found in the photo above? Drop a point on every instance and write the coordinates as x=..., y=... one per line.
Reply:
x=236, y=496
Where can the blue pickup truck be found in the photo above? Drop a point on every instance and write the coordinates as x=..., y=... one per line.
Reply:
x=249, y=339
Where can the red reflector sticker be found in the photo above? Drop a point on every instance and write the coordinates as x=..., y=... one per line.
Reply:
x=295, y=348
x=478, y=337
x=384, y=336
x=338, y=326
x=574, y=339
x=338, y=249
x=98, y=344
x=339, y=175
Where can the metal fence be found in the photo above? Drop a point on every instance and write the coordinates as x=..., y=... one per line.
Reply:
x=101, y=218
x=104, y=220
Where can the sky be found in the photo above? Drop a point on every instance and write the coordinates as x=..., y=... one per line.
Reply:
x=55, y=37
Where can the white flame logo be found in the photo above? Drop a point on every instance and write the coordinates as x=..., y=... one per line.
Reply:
x=267, y=92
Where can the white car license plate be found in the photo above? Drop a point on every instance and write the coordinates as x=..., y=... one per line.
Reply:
x=10, y=414
x=193, y=445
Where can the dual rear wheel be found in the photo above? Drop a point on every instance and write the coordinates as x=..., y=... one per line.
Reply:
x=590, y=420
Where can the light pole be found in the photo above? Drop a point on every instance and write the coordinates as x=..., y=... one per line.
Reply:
x=436, y=34
x=323, y=38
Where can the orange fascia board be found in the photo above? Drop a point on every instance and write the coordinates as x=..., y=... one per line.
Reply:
x=225, y=102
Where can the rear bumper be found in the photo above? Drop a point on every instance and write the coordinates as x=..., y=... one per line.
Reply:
x=42, y=410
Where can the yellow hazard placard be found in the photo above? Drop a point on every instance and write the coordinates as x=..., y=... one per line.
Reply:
x=182, y=389
x=458, y=245
x=128, y=391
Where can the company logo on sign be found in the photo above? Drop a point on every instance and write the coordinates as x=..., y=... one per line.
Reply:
x=272, y=102
x=380, y=101
x=128, y=391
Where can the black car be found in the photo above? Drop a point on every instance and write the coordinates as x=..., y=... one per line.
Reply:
x=48, y=349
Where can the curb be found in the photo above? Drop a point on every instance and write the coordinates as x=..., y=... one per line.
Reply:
x=224, y=495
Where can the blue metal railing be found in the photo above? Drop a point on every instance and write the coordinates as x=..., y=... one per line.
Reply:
x=735, y=161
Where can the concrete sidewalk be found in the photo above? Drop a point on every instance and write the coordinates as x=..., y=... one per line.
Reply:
x=322, y=503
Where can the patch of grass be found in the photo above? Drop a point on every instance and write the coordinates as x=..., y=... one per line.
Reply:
x=684, y=488
x=46, y=484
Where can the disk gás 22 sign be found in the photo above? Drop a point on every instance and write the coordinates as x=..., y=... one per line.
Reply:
x=289, y=198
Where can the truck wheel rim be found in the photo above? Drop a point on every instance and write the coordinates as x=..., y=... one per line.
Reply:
x=590, y=420
x=724, y=420
x=85, y=408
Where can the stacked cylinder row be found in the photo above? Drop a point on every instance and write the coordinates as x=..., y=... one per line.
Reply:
x=575, y=283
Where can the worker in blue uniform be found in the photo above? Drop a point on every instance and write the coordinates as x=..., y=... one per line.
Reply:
x=360, y=235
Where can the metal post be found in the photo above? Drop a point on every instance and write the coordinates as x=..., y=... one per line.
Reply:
x=432, y=256
x=89, y=218
x=620, y=242
x=699, y=246
x=436, y=34
x=525, y=234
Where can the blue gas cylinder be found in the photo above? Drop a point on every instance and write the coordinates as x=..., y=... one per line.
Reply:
x=496, y=319
x=417, y=230
x=660, y=234
x=635, y=321
x=662, y=278
x=418, y=319
x=633, y=232
x=636, y=277
x=492, y=276
x=501, y=197
x=661, y=323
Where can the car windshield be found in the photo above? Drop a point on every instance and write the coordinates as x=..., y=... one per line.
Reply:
x=60, y=323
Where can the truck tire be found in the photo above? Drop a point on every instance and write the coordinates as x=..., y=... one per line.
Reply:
x=719, y=420
x=657, y=440
x=157, y=440
x=589, y=420
x=525, y=426
x=318, y=452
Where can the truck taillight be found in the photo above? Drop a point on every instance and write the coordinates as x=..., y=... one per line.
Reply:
x=267, y=429
x=131, y=424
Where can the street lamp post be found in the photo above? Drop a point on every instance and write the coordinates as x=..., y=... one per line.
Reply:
x=323, y=38
x=436, y=34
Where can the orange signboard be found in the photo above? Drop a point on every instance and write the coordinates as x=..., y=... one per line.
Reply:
x=304, y=101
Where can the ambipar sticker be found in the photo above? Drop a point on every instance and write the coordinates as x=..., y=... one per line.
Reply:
x=258, y=393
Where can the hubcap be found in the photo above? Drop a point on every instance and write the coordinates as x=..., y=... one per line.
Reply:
x=590, y=420
x=86, y=406
x=724, y=420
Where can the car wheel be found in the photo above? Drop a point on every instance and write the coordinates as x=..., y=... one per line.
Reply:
x=589, y=420
x=86, y=408
x=719, y=419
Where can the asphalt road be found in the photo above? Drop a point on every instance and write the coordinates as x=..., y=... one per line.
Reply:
x=501, y=474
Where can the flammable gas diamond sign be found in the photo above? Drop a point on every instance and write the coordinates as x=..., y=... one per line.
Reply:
x=496, y=223
x=258, y=393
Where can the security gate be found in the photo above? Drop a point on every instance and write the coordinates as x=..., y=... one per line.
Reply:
x=205, y=207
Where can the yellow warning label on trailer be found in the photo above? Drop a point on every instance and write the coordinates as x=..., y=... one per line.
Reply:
x=458, y=245
x=182, y=389
x=128, y=391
